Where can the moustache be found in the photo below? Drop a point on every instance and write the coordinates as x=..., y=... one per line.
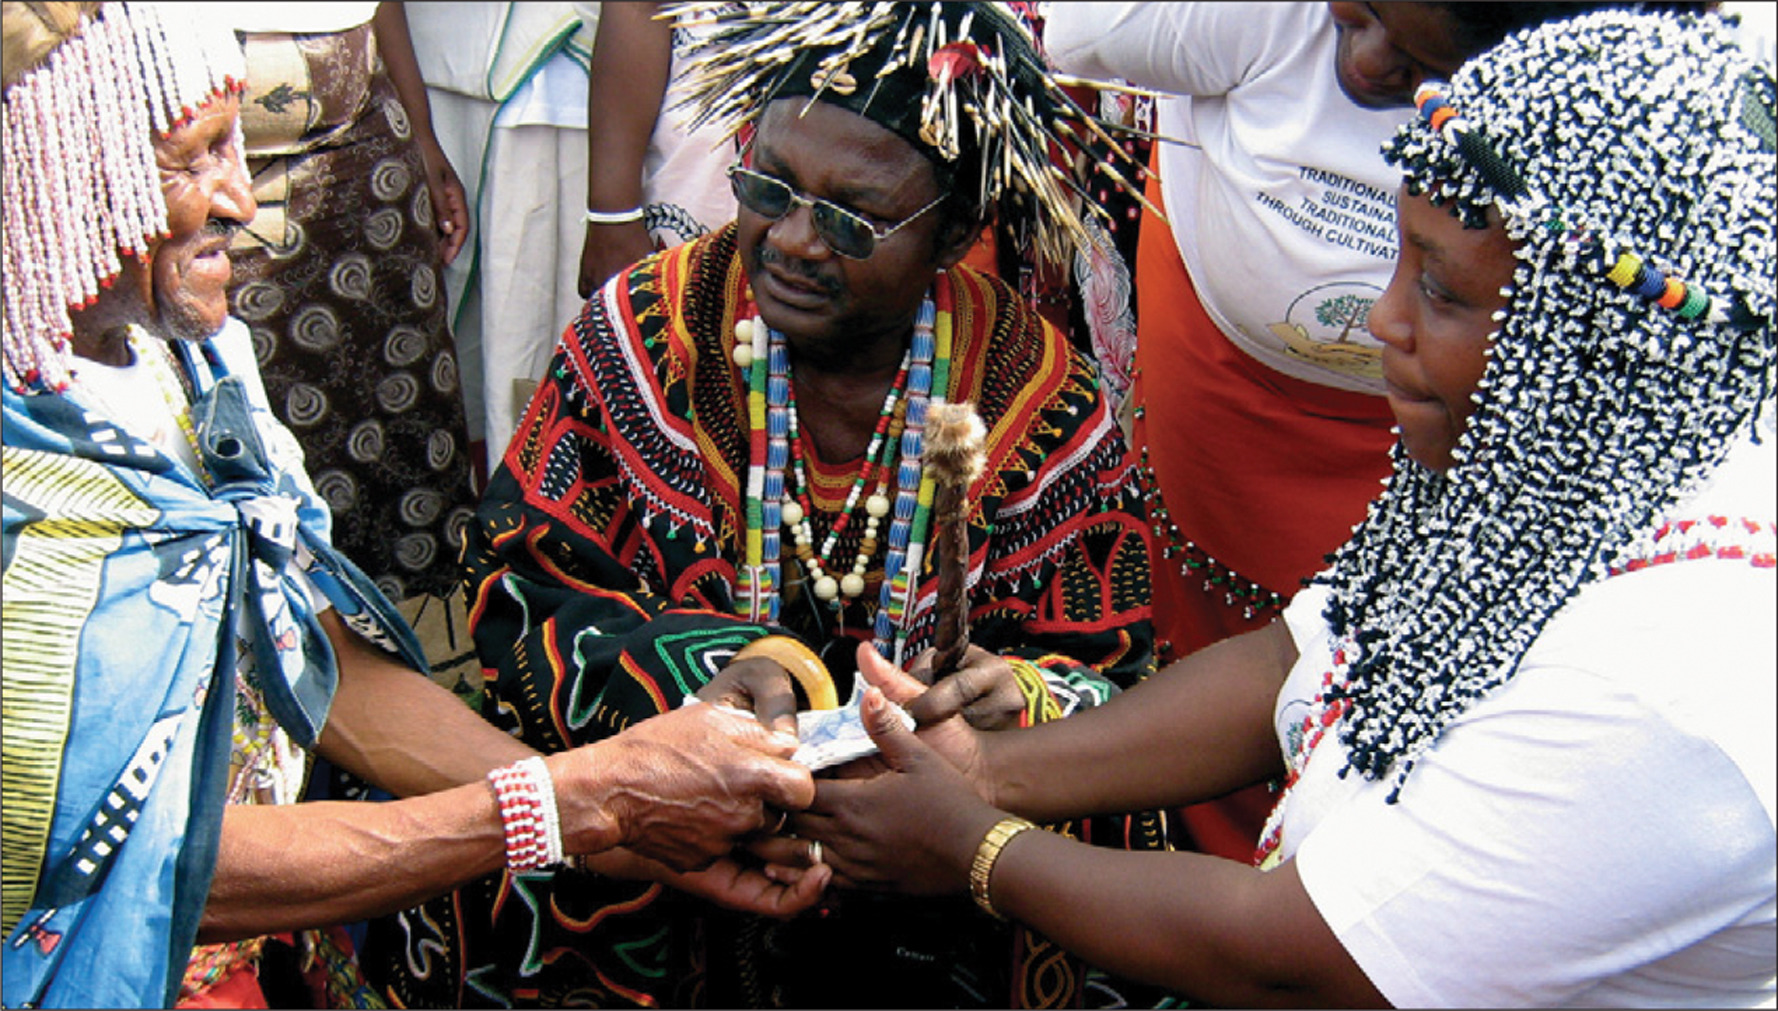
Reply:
x=221, y=228
x=802, y=270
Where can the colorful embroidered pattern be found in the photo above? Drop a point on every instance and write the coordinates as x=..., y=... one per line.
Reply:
x=605, y=562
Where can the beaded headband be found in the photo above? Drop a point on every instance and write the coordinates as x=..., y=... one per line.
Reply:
x=1598, y=254
x=81, y=183
x=1624, y=153
x=964, y=83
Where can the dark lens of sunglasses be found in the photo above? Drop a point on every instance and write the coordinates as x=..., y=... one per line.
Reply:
x=767, y=197
x=843, y=233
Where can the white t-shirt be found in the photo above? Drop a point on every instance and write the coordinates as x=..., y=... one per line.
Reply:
x=1597, y=832
x=1280, y=201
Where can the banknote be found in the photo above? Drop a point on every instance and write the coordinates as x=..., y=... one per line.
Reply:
x=835, y=736
x=829, y=737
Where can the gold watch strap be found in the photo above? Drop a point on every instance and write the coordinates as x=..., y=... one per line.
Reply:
x=985, y=856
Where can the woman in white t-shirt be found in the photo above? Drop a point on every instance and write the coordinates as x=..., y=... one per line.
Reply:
x=1523, y=723
x=1258, y=399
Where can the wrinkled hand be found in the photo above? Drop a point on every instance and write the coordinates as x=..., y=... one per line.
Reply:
x=759, y=685
x=608, y=249
x=983, y=688
x=914, y=828
x=450, y=203
x=680, y=787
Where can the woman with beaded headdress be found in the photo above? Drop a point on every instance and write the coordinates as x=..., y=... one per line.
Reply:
x=729, y=465
x=1258, y=405
x=177, y=633
x=1523, y=723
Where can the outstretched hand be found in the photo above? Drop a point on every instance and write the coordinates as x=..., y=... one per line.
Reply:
x=912, y=828
x=776, y=890
x=680, y=788
x=780, y=882
x=937, y=716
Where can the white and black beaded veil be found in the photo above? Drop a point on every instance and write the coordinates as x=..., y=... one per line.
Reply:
x=1632, y=160
x=965, y=83
x=81, y=184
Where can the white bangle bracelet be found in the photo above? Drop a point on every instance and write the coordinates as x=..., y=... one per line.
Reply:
x=613, y=217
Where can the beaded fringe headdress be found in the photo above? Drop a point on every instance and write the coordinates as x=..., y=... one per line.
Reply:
x=1632, y=160
x=81, y=184
x=955, y=79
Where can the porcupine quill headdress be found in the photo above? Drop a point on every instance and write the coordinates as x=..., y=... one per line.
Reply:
x=1631, y=158
x=81, y=184
x=964, y=83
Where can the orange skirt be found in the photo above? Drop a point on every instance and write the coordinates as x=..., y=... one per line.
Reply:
x=1257, y=475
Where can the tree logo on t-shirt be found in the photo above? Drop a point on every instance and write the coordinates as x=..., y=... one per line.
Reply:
x=1328, y=326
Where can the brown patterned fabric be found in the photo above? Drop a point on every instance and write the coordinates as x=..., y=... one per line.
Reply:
x=340, y=281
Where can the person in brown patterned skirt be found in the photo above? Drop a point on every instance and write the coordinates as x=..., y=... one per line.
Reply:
x=339, y=279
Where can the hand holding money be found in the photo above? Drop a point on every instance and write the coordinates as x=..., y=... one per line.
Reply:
x=763, y=680
x=830, y=737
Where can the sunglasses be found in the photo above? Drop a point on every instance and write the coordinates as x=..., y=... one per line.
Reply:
x=845, y=232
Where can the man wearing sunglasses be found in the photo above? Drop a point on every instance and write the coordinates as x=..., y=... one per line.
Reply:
x=724, y=469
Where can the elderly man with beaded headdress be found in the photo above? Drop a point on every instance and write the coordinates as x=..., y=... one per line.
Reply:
x=178, y=634
x=728, y=459
x=1524, y=722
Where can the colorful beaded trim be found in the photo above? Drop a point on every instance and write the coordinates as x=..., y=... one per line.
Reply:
x=1629, y=271
x=1711, y=537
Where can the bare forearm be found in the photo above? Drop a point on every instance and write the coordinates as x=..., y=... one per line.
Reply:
x=626, y=85
x=397, y=729
x=1198, y=729
x=1212, y=929
x=306, y=865
x=397, y=49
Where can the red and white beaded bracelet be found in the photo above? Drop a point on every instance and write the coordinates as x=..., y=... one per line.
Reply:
x=527, y=799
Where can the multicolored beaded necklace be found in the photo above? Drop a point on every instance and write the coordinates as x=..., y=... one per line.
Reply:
x=799, y=510
x=773, y=434
x=1676, y=541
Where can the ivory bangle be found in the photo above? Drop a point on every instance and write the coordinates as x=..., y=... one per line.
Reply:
x=613, y=217
x=801, y=662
